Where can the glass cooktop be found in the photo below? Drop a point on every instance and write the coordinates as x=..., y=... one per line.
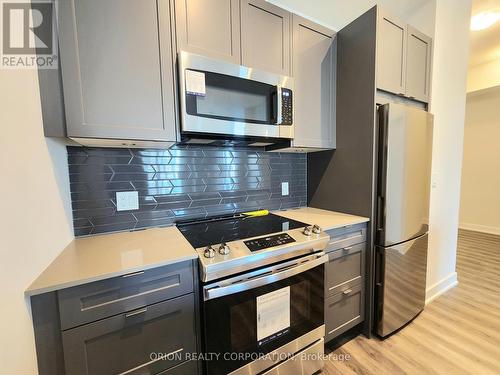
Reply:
x=214, y=231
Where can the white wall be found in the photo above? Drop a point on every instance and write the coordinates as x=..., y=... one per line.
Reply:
x=35, y=223
x=448, y=105
x=484, y=76
x=480, y=198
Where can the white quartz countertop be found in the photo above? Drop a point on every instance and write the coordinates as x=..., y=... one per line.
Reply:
x=100, y=257
x=325, y=219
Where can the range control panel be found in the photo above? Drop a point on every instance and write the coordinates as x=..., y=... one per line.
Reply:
x=269, y=241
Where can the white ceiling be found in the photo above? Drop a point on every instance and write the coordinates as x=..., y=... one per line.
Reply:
x=485, y=44
x=338, y=13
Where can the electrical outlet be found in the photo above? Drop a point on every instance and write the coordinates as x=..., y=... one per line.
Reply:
x=127, y=200
x=284, y=188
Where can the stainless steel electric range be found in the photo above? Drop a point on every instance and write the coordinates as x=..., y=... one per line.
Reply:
x=263, y=297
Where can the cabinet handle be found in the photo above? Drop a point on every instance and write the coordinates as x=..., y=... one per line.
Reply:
x=136, y=312
x=347, y=248
x=133, y=274
x=347, y=292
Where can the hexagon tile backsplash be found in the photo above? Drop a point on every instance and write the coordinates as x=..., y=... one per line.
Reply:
x=178, y=184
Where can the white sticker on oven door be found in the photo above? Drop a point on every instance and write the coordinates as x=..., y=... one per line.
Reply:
x=273, y=314
x=195, y=82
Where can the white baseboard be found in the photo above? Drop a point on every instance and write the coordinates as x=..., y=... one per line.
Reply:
x=480, y=228
x=440, y=287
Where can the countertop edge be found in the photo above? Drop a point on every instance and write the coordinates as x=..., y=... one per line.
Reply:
x=31, y=292
x=353, y=219
x=34, y=290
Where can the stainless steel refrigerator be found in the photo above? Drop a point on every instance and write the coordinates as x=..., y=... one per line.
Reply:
x=403, y=190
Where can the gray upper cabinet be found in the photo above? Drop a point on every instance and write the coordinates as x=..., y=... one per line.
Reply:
x=210, y=28
x=391, y=55
x=314, y=70
x=418, y=65
x=117, y=69
x=404, y=57
x=265, y=36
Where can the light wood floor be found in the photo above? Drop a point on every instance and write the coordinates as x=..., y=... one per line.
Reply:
x=458, y=333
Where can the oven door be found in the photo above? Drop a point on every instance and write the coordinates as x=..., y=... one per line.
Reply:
x=263, y=312
x=221, y=98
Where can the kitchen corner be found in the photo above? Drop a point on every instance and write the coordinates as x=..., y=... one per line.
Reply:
x=95, y=258
x=248, y=188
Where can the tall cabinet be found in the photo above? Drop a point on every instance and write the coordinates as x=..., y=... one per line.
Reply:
x=374, y=52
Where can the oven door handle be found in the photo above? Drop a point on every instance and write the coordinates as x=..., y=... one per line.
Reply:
x=267, y=278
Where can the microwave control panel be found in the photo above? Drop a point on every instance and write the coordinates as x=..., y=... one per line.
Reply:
x=286, y=107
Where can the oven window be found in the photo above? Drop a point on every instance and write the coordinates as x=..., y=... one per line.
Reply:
x=231, y=321
x=233, y=99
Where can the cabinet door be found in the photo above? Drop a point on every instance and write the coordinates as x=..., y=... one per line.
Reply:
x=344, y=311
x=265, y=36
x=313, y=66
x=124, y=344
x=115, y=57
x=391, y=54
x=418, y=65
x=209, y=28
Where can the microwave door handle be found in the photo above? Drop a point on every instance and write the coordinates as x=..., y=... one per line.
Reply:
x=279, y=105
x=216, y=291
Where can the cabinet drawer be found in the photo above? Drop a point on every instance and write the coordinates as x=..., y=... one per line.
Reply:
x=186, y=368
x=346, y=236
x=345, y=268
x=124, y=343
x=90, y=302
x=343, y=311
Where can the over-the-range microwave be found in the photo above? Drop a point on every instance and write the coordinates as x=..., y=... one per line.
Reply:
x=231, y=103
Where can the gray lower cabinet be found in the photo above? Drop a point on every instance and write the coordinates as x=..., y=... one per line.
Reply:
x=265, y=36
x=345, y=268
x=345, y=279
x=344, y=311
x=313, y=67
x=209, y=28
x=142, y=323
x=117, y=69
x=133, y=342
x=90, y=302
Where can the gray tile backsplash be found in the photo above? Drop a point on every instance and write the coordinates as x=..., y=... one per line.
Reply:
x=178, y=184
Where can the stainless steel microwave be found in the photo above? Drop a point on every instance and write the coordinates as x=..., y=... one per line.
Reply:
x=220, y=99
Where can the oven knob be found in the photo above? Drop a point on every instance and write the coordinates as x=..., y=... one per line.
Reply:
x=307, y=231
x=316, y=229
x=223, y=249
x=209, y=252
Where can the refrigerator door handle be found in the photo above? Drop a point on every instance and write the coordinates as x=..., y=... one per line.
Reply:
x=380, y=213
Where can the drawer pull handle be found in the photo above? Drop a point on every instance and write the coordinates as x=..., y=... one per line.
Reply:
x=347, y=292
x=133, y=274
x=158, y=358
x=136, y=312
x=347, y=248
